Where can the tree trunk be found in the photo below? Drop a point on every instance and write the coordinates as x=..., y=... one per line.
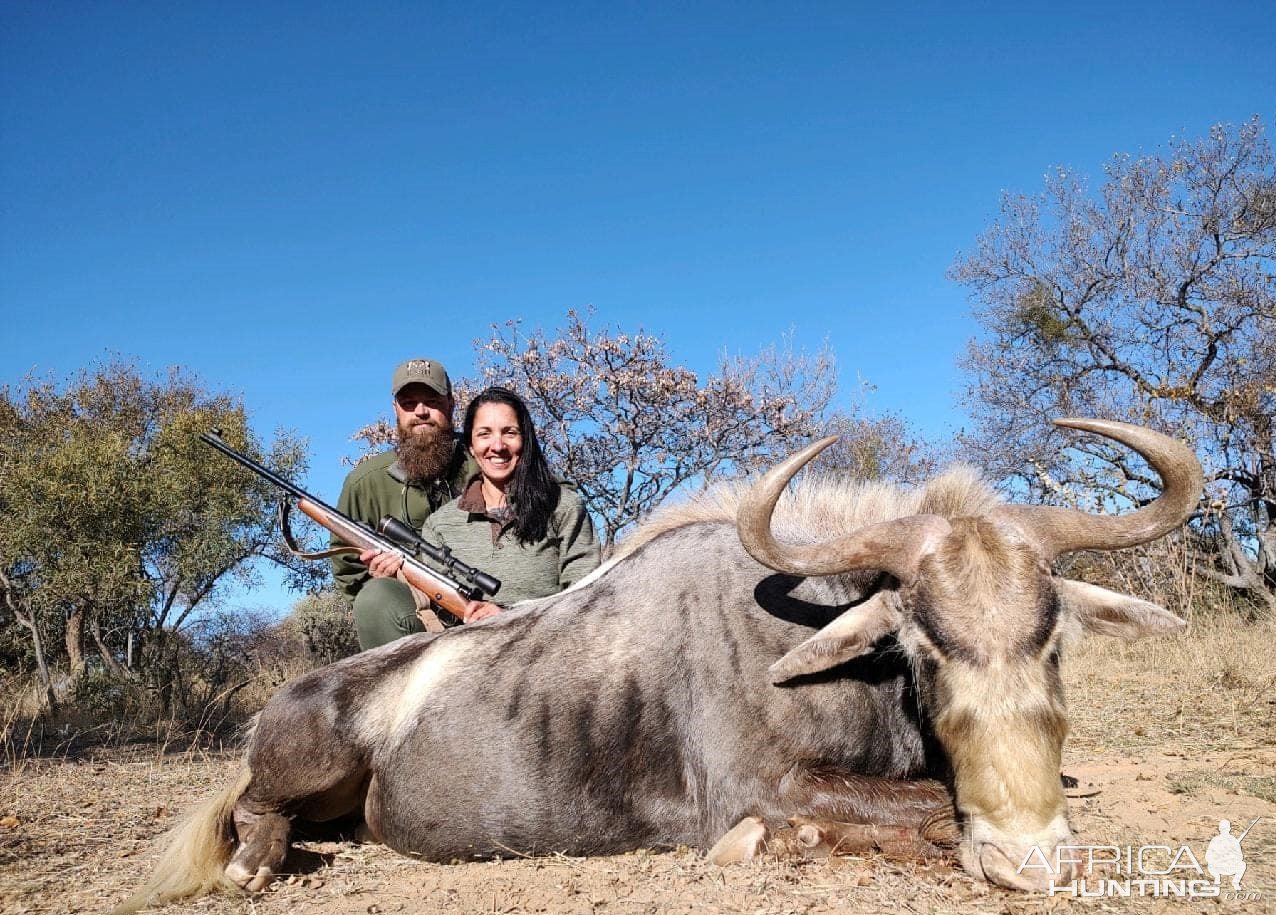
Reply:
x=1248, y=576
x=45, y=691
x=118, y=671
x=75, y=642
x=44, y=694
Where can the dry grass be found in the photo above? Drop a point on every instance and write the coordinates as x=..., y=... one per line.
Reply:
x=1195, y=781
x=1173, y=734
x=1214, y=687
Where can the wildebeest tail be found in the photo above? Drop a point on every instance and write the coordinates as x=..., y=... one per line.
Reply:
x=196, y=853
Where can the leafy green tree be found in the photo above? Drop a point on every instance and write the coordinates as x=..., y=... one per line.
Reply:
x=117, y=523
x=1153, y=300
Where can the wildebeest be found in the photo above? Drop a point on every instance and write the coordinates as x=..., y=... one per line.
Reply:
x=847, y=651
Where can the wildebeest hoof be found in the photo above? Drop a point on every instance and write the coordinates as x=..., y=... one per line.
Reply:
x=809, y=836
x=744, y=841
x=253, y=882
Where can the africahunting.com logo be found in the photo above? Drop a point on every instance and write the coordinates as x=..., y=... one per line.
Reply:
x=1148, y=870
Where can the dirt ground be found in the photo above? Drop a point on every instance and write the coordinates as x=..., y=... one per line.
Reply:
x=1168, y=738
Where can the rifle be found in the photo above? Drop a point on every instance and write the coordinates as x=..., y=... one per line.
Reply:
x=450, y=590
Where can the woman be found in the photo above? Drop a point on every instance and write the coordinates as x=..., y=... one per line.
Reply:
x=514, y=520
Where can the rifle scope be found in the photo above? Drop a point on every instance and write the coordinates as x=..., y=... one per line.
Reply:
x=400, y=533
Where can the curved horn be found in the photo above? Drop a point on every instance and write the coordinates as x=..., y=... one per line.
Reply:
x=1063, y=530
x=891, y=546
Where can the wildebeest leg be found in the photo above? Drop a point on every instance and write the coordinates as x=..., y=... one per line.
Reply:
x=263, y=817
x=809, y=837
x=300, y=768
x=839, y=813
x=924, y=806
x=263, y=845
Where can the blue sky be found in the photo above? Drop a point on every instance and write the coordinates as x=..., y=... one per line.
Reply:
x=289, y=198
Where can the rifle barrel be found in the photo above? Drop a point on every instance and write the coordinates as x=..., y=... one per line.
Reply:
x=215, y=439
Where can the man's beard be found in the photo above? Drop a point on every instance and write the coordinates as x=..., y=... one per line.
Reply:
x=425, y=451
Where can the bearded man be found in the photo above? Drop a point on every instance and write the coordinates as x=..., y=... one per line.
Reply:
x=427, y=469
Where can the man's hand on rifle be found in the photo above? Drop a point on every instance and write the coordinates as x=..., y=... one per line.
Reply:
x=381, y=563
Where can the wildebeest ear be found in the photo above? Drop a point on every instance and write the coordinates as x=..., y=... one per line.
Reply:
x=1111, y=613
x=847, y=637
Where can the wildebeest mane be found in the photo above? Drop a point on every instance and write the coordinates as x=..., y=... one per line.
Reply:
x=824, y=506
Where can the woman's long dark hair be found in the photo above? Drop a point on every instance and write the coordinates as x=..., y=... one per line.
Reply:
x=532, y=491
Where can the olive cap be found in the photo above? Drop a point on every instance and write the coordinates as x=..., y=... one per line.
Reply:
x=421, y=371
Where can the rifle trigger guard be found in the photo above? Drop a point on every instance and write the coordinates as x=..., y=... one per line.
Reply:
x=297, y=551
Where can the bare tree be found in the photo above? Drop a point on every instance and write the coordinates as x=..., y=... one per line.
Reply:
x=1152, y=299
x=877, y=447
x=629, y=428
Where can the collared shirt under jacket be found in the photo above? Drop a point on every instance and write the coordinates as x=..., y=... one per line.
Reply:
x=567, y=554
